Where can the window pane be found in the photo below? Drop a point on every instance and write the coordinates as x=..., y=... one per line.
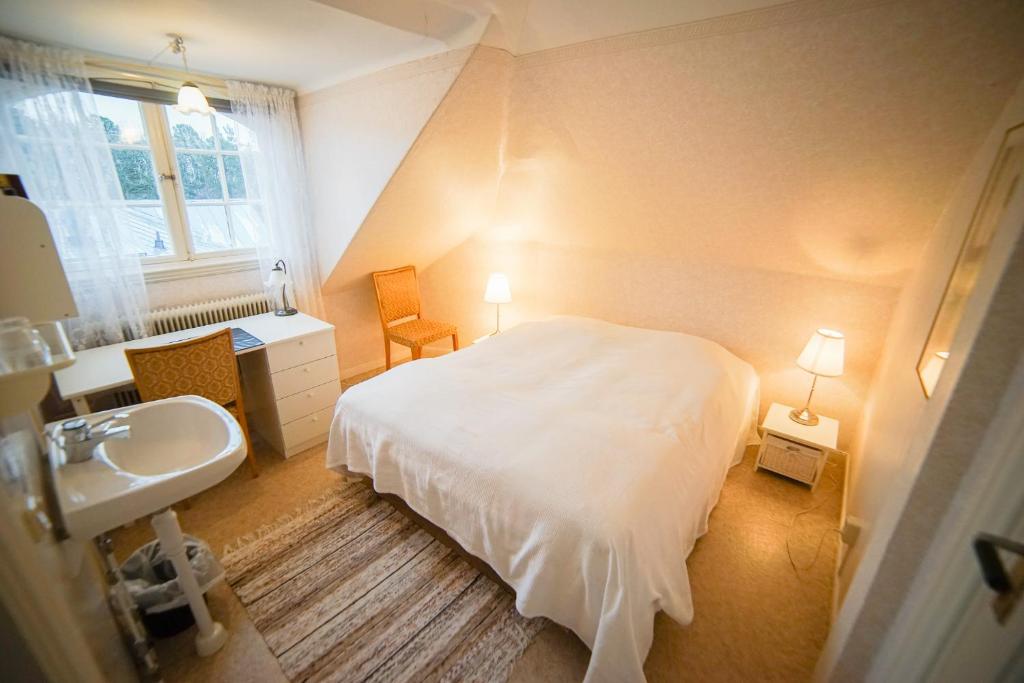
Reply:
x=233, y=174
x=135, y=171
x=122, y=120
x=209, y=228
x=200, y=177
x=233, y=135
x=190, y=131
x=228, y=131
x=247, y=222
x=146, y=231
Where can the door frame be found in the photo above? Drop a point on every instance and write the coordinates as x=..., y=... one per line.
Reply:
x=45, y=621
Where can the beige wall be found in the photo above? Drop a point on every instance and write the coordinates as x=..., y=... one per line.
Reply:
x=711, y=300
x=189, y=290
x=916, y=456
x=748, y=179
x=899, y=422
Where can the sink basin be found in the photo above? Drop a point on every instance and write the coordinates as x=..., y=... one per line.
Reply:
x=175, y=448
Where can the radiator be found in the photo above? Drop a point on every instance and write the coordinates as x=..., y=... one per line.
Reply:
x=178, y=318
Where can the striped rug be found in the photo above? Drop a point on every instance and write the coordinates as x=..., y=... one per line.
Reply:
x=349, y=589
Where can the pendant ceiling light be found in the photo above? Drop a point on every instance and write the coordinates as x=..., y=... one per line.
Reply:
x=191, y=99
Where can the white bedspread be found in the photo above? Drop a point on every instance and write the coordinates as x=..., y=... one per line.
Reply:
x=578, y=458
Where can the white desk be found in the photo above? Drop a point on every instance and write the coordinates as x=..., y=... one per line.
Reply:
x=291, y=381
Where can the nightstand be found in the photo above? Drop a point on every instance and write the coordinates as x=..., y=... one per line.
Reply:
x=794, y=450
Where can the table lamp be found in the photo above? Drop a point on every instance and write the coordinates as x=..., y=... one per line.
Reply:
x=822, y=357
x=497, y=293
x=279, y=278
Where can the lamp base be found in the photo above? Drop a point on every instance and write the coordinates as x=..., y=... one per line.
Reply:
x=285, y=311
x=803, y=416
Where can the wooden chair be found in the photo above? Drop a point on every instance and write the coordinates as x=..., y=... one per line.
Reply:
x=204, y=366
x=398, y=297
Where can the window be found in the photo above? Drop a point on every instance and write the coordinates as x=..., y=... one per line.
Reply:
x=183, y=191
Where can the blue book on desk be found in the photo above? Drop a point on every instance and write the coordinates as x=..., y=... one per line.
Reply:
x=243, y=341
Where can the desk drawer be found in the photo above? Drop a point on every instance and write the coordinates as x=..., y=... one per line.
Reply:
x=289, y=354
x=304, y=377
x=309, y=401
x=307, y=428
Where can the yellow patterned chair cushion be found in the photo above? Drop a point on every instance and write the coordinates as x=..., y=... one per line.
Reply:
x=420, y=332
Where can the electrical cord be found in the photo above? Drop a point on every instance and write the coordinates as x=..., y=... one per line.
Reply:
x=821, y=541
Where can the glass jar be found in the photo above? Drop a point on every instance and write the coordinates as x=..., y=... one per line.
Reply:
x=21, y=346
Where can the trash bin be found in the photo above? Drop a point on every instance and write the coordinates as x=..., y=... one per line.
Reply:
x=153, y=584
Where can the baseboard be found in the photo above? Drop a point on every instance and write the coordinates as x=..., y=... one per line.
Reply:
x=846, y=539
x=399, y=357
x=353, y=370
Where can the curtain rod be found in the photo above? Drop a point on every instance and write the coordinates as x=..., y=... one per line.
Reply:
x=150, y=75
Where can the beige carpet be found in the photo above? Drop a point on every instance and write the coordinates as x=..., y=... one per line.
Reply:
x=756, y=618
x=350, y=589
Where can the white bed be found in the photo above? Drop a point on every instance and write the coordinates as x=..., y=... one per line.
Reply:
x=579, y=459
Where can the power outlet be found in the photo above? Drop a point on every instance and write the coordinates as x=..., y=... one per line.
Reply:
x=851, y=530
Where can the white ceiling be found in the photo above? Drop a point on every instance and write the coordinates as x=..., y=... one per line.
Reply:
x=554, y=23
x=309, y=44
x=299, y=43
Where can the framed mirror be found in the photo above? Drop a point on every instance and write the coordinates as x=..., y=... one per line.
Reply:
x=1004, y=181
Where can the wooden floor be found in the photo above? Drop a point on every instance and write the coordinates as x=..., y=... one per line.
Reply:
x=756, y=617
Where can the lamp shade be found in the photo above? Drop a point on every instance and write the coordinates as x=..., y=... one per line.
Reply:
x=277, y=277
x=497, y=291
x=191, y=100
x=823, y=354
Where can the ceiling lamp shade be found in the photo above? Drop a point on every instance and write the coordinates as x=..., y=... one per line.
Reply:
x=191, y=100
x=497, y=291
x=823, y=354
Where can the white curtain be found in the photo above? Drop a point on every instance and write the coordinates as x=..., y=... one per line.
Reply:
x=275, y=173
x=51, y=136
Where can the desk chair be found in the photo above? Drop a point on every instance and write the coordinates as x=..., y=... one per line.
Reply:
x=398, y=296
x=204, y=366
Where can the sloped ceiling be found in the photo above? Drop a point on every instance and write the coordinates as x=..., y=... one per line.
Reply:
x=356, y=136
x=445, y=185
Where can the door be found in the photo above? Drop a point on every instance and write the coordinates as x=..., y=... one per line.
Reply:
x=953, y=633
x=982, y=647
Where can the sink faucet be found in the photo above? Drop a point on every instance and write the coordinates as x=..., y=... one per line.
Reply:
x=80, y=437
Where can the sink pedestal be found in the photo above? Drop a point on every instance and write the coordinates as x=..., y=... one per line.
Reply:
x=212, y=634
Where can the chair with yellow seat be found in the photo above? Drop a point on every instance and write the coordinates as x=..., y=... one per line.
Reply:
x=398, y=297
x=204, y=366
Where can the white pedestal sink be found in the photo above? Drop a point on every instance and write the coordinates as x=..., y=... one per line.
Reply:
x=174, y=449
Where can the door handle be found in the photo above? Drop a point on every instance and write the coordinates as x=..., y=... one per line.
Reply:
x=987, y=547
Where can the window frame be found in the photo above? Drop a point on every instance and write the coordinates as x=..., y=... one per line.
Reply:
x=218, y=153
x=183, y=253
x=156, y=128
